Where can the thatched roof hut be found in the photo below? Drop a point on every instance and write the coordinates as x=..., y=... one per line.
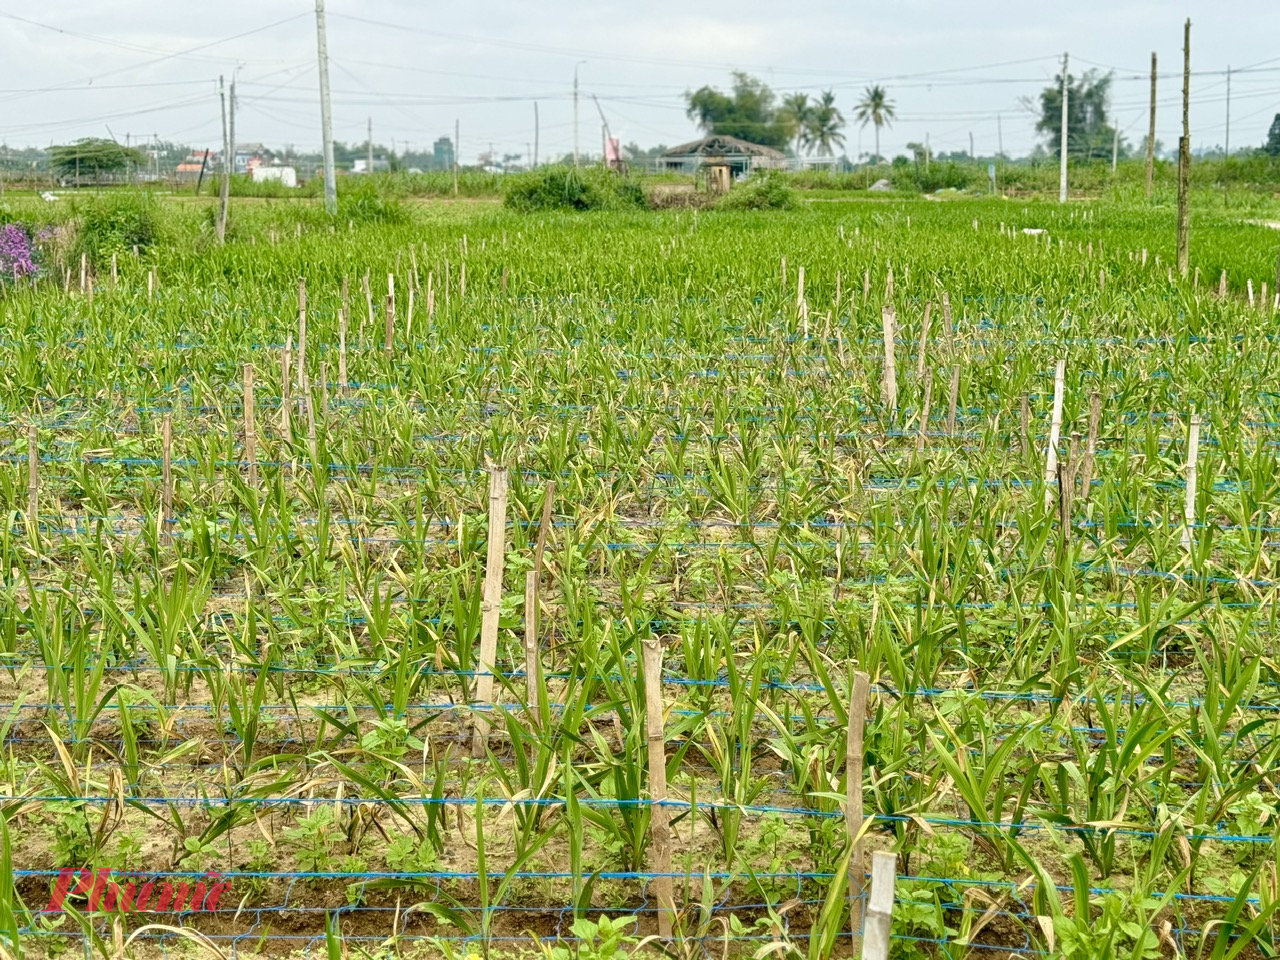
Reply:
x=740, y=156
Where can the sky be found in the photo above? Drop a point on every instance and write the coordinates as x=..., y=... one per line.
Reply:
x=129, y=68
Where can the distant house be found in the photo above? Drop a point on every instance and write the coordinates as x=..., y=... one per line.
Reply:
x=718, y=150
x=248, y=156
x=195, y=162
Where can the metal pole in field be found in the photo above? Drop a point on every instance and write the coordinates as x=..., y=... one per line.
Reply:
x=1184, y=157
x=1062, y=145
x=1151, y=130
x=326, y=114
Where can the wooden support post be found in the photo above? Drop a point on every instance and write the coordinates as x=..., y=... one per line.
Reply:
x=308, y=398
x=285, y=393
x=924, y=341
x=659, y=830
x=924, y=415
x=879, y=922
x=368, y=296
x=802, y=305
x=166, y=474
x=250, y=427
x=491, y=606
x=33, y=476
x=84, y=271
x=1091, y=443
x=544, y=531
x=889, y=377
x=302, y=333
x=1193, y=454
x=953, y=397
x=1055, y=431
x=854, y=819
x=388, y=342
x=343, y=319
x=115, y=271
x=532, y=667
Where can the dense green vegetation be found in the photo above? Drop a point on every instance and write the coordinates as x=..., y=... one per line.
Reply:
x=1072, y=735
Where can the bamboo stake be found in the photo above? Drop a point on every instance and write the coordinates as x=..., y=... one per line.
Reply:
x=285, y=392
x=115, y=274
x=166, y=474
x=33, y=476
x=889, y=382
x=854, y=819
x=924, y=341
x=1222, y=285
x=309, y=401
x=342, y=343
x=388, y=341
x=368, y=296
x=1193, y=454
x=924, y=414
x=1055, y=430
x=532, y=669
x=658, y=828
x=802, y=307
x=953, y=397
x=302, y=332
x=250, y=426
x=875, y=936
x=1091, y=444
x=491, y=605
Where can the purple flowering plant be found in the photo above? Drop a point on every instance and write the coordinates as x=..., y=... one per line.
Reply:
x=17, y=255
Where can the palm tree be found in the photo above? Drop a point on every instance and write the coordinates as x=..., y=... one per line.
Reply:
x=825, y=123
x=876, y=108
x=796, y=113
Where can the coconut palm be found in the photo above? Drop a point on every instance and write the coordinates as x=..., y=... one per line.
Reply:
x=796, y=112
x=824, y=125
x=876, y=108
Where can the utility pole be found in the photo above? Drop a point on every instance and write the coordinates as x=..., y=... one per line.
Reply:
x=971, y=153
x=225, y=191
x=1184, y=157
x=1227, y=148
x=457, y=156
x=369, y=149
x=326, y=114
x=575, y=112
x=535, y=134
x=1062, y=139
x=1151, y=131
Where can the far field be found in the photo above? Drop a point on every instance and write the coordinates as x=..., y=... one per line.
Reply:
x=271, y=665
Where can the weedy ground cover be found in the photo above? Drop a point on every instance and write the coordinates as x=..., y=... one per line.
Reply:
x=255, y=649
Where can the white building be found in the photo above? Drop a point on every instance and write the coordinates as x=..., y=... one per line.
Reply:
x=284, y=175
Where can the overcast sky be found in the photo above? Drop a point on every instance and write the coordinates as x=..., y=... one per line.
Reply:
x=73, y=68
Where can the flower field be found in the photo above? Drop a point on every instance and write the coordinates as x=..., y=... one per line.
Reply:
x=501, y=584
